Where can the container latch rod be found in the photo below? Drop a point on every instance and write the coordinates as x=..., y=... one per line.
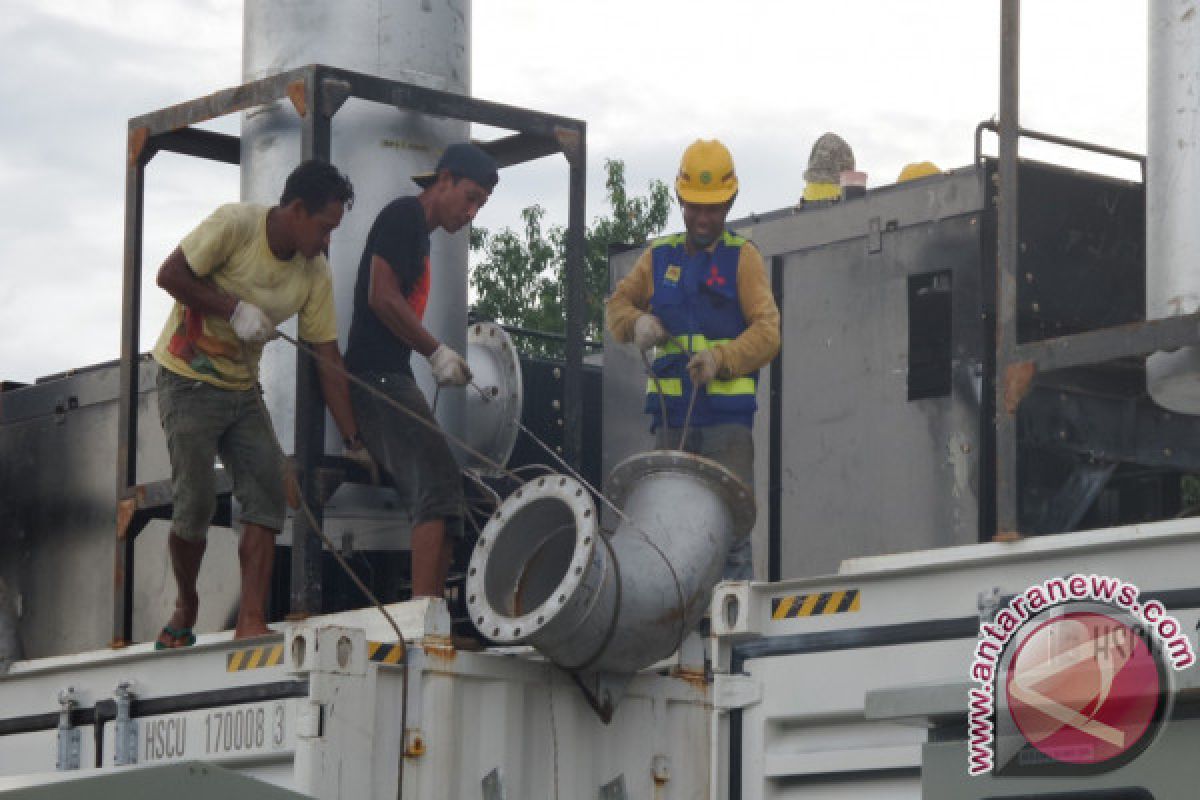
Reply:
x=125, y=731
x=68, y=735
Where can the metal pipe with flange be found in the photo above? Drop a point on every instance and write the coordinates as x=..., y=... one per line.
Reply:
x=543, y=572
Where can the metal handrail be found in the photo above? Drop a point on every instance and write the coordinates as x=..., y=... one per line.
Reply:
x=1053, y=138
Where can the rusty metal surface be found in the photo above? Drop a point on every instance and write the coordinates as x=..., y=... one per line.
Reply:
x=125, y=511
x=520, y=148
x=1018, y=377
x=570, y=141
x=137, y=143
x=221, y=103
x=1007, y=255
x=297, y=93
x=1110, y=344
x=439, y=648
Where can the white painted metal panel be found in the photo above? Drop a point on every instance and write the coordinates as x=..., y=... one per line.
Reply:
x=470, y=714
x=478, y=712
x=804, y=726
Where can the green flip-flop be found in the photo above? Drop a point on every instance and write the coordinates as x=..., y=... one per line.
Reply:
x=182, y=635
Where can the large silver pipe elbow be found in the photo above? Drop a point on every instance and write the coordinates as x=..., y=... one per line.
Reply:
x=543, y=573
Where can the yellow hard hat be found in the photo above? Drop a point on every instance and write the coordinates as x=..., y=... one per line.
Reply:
x=918, y=169
x=706, y=173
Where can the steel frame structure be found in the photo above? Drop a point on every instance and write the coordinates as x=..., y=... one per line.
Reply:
x=316, y=92
x=1018, y=364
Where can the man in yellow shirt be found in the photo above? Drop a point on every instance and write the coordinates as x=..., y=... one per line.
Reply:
x=244, y=270
x=703, y=299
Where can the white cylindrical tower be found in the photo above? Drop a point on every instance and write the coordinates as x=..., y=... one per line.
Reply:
x=1173, y=193
x=425, y=42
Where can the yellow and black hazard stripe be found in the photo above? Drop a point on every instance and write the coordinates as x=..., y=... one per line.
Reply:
x=269, y=655
x=383, y=653
x=813, y=605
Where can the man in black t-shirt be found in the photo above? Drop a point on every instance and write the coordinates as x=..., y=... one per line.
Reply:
x=389, y=304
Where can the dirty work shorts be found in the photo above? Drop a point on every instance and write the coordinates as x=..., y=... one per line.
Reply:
x=200, y=422
x=417, y=457
x=731, y=446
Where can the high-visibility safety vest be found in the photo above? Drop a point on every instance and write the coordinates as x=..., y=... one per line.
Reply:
x=695, y=297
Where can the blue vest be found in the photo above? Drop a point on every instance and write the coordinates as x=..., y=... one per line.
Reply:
x=696, y=298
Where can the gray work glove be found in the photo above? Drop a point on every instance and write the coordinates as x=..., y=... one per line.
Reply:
x=449, y=368
x=649, y=332
x=702, y=367
x=356, y=451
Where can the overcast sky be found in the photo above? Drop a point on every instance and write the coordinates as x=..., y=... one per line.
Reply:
x=901, y=81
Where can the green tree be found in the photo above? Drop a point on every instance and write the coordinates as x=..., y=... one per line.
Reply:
x=520, y=279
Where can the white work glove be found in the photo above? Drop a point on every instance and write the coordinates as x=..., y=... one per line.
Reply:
x=449, y=368
x=250, y=323
x=702, y=367
x=649, y=332
x=357, y=452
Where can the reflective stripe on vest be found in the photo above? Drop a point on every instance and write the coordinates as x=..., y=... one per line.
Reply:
x=694, y=344
x=673, y=387
x=695, y=297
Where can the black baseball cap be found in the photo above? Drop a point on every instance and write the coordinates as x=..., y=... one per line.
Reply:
x=463, y=160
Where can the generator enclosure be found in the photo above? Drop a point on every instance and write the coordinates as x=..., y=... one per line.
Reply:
x=874, y=431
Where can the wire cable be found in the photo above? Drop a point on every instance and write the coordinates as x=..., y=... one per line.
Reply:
x=317, y=357
x=383, y=397
x=298, y=492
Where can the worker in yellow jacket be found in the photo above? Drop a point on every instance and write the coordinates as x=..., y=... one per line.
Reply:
x=703, y=300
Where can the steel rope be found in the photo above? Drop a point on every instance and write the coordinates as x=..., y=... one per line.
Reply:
x=466, y=448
